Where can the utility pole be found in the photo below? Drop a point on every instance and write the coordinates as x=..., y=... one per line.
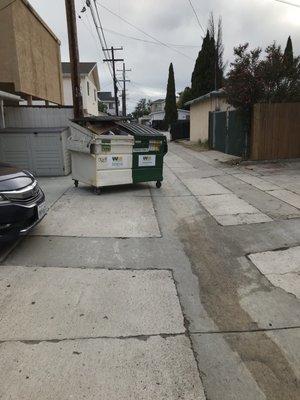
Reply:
x=113, y=60
x=74, y=58
x=124, y=80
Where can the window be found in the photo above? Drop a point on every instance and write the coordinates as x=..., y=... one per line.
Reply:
x=111, y=106
x=88, y=87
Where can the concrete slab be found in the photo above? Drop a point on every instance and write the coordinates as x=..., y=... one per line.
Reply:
x=205, y=187
x=250, y=365
x=241, y=219
x=57, y=303
x=287, y=196
x=224, y=375
x=107, y=369
x=282, y=268
x=256, y=182
x=226, y=204
x=259, y=199
x=277, y=262
x=97, y=216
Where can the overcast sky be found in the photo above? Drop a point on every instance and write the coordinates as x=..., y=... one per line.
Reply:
x=258, y=22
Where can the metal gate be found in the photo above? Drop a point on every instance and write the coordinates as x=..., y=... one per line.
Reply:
x=228, y=132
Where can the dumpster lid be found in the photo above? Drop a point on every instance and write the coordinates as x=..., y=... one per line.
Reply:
x=138, y=129
x=100, y=118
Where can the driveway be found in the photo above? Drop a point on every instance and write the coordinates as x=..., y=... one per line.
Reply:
x=188, y=292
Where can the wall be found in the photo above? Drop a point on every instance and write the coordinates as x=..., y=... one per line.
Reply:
x=275, y=131
x=159, y=116
x=90, y=105
x=90, y=101
x=29, y=54
x=199, y=117
x=68, y=97
x=40, y=117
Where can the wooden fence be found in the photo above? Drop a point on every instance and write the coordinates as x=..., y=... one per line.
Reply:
x=275, y=132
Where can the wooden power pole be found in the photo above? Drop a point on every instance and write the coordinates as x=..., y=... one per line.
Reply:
x=113, y=60
x=124, y=80
x=74, y=58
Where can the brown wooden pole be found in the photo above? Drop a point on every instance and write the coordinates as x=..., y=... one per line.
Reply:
x=74, y=58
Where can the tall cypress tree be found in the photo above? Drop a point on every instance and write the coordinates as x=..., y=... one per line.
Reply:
x=203, y=77
x=171, y=114
x=288, y=57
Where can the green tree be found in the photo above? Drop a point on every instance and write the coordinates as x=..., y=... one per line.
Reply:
x=244, y=85
x=288, y=56
x=203, y=76
x=171, y=114
x=253, y=79
x=102, y=107
x=142, y=108
x=217, y=34
x=184, y=97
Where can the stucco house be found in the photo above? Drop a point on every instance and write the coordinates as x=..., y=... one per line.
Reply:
x=89, y=83
x=109, y=101
x=157, y=113
x=199, y=113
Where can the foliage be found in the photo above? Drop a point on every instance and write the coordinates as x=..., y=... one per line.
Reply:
x=142, y=108
x=184, y=97
x=273, y=79
x=102, y=107
x=209, y=67
x=219, y=50
x=244, y=86
x=171, y=114
x=203, y=76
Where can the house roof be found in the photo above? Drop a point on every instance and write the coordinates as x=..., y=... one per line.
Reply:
x=84, y=67
x=105, y=96
x=158, y=101
x=210, y=95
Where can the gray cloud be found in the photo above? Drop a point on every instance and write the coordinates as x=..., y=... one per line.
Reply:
x=258, y=22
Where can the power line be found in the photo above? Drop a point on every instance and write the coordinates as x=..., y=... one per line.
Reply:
x=147, y=41
x=196, y=15
x=104, y=39
x=101, y=37
x=142, y=31
x=288, y=3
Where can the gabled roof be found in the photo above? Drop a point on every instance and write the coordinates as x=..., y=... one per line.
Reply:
x=210, y=95
x=158, y=101
x=84, y=67
x=105, y=96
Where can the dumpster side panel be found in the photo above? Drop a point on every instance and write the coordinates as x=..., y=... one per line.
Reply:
x=148, y=157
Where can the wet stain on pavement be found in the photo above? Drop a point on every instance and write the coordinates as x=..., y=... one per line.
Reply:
x=220, y=276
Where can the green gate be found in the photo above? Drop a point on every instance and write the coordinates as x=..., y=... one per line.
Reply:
x=228, y=132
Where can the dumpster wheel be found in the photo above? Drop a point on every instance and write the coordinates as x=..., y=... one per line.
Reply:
x=75, y=183
x=97, y=190
x=158, y=184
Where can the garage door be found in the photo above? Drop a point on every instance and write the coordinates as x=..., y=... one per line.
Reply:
x=39, y=152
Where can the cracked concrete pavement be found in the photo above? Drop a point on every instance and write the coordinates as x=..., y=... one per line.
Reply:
x=187, y=292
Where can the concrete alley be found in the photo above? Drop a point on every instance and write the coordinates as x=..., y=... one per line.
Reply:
x=188, y=292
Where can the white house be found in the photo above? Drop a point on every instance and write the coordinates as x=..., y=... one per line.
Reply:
x=157, y=108
x=109, y=101
x=89, y=83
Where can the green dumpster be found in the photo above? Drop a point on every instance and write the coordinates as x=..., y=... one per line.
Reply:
x=150, y=147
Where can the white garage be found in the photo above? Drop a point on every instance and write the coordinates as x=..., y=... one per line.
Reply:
x=42, y=151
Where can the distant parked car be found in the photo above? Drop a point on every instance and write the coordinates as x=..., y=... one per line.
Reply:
x=22, y=202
